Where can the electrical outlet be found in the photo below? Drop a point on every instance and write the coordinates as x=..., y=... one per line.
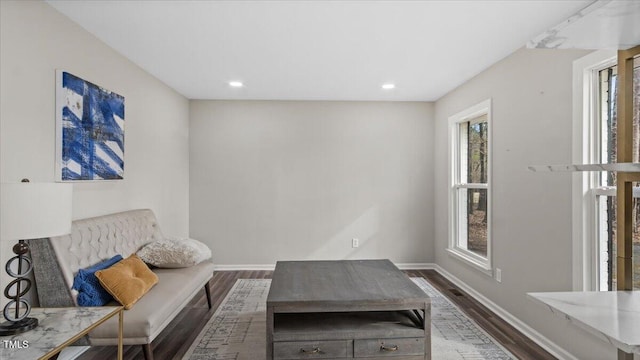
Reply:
x=355, y=242
x=498, y=275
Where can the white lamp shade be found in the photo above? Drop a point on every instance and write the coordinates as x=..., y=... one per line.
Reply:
x=34, y=210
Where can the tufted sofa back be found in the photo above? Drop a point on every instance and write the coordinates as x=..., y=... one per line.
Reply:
x=95, y=239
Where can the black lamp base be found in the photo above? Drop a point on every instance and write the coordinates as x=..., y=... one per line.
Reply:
x=17, y=327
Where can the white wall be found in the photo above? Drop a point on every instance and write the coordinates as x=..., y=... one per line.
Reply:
x=532, y=124
x=278, y=180
x=35, y=40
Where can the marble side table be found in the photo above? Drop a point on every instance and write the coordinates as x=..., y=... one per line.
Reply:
x=613, y=316
x=57, y=329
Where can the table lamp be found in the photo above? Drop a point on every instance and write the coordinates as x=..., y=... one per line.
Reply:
x=28, y=211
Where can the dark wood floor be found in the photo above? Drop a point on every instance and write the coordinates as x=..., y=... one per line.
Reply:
x=175, y=340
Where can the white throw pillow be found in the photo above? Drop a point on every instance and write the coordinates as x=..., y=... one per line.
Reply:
x=174, y=253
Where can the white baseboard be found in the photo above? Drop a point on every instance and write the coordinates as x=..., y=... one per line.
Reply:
x=270, y=267
x=528, y=331
x=416, y=266
x=266, y=267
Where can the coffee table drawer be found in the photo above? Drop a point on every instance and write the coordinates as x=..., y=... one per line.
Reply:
x=388, y=347
x=312, y=349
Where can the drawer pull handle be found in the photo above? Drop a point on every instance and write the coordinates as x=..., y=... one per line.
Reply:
x=316, y=350
x=388, y=348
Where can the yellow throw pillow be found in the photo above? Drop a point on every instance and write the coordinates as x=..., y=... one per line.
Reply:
x=128, y=280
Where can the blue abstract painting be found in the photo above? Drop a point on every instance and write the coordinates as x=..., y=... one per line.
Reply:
x=90, y=142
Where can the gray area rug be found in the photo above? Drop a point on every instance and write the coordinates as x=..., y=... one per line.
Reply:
x=237, y=330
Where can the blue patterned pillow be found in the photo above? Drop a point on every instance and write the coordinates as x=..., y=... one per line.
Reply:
x=90, y=292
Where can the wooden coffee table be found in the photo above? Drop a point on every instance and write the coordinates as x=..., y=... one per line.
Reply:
x=346, y=309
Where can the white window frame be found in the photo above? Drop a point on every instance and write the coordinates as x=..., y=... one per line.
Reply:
x=585, y=185
x=479, y=262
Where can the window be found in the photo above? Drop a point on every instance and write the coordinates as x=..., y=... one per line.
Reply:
x=596, y=203
x=604, y=186
x=470, y=191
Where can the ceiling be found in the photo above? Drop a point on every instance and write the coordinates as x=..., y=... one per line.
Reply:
x=317, y=50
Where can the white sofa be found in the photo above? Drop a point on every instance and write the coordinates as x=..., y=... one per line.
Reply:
x=96, y=239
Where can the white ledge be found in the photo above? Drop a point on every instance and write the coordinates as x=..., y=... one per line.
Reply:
x=623, y=167
x=612, y=316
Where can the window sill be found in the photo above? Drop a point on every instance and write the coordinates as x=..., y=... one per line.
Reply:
x=483, y=266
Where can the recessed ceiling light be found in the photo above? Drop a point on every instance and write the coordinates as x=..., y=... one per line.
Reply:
x=388, y=86
x=236, y=84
